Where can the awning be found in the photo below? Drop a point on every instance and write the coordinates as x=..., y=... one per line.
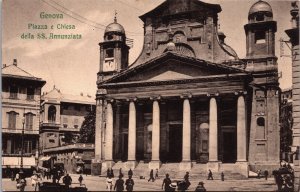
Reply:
x=45, y=158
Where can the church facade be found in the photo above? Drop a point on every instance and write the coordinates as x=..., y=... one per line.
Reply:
x=188, y=98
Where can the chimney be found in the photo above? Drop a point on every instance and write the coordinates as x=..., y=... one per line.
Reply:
x=15, y=62
x=81, y=94
x=4, y=65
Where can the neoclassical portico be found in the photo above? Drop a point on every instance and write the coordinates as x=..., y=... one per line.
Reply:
x=188, y=139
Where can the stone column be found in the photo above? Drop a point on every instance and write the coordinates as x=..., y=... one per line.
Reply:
x=98, y=129
x=109, y=136
x=213, y=130
x=186, y=136
x=155, y=162
x=241, y=130
x=131, y=163
x=213, y=163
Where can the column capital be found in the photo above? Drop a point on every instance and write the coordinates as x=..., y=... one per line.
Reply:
x=239, y=93
x=131, y=99
x=186, y=96
x=155, y=98
x=110, y=100
x=215, y=94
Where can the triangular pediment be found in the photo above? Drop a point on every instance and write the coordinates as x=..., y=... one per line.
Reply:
x=171, y=66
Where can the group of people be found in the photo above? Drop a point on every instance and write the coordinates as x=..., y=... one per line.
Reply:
x=119, y=184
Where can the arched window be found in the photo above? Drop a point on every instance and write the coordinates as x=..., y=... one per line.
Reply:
x=52, y=113
x=260, y=130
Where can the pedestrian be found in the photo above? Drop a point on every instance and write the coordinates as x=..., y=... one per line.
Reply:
x=156, y=174
x=186, y=180
x=151, y=176
x=107, y=172
x=34, y=180
x=112, y=173
x=67, y=180
x=130, y=173
x=222, y=176
x=120, y=173
x=200, y=187
x=258, y=174
x=80, y=179
x=266, y=173
x=22, y=184
x=210, y=175
x=12, y=175
x=119, y=186
x=109, y=183
x=18, y=177
x=129, y=183
x=166, y=183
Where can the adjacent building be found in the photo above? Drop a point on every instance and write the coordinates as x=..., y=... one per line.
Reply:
x=21, y=96
x=61, y=117
x=188, y=98
x=293, y=34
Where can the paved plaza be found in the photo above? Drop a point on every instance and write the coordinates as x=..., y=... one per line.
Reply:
x=95, y=183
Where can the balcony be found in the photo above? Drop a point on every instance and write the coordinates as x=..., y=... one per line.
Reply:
x=19, y=131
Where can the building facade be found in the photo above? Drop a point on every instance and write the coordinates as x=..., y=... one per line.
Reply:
x=21, y=95
x=293, y=34
x=188, y=98
x=61, y=117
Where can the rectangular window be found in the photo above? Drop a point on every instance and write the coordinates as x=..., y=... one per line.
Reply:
x=27, y=146
x=12, y=116
x=30, y=93
x=13, y=92
x=29, y=121
x=65, y=122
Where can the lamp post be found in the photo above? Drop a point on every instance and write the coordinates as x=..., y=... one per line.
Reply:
x=22, y=145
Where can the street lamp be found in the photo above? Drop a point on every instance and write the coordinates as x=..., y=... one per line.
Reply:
x=22, y=144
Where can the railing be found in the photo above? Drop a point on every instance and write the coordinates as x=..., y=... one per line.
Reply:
x=10, y=130
x=17, y=155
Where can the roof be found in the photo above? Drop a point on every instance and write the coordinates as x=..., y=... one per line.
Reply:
x=76, y=146
x=115, y=27
x=16, y=72
x=56, y=94
x=159, y=9
x=133, y=69
x=260, y=6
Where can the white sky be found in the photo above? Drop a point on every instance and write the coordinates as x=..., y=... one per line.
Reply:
x=72, y=65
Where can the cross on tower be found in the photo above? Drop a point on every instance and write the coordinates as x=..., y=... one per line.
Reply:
x=115, y=19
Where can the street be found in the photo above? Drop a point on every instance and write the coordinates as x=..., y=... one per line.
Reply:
x=96, y=183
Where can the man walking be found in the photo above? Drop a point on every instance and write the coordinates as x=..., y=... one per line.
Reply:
x=67, y=180
x=151, y=176
x=129, y=183
x=210, y=175
x=119, y=186
x=266, y=173
x=166, y=183
x=130, y=173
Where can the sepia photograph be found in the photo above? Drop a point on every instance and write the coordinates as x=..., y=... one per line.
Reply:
x=150, y=95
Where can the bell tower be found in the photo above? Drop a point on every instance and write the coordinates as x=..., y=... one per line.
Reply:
x=113, y=51
x=261, y=62
x=260, y=35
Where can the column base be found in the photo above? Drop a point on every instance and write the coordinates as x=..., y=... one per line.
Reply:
x=214, y=166
x=107, y=164
x=131, y=164
x=185, y=166
x=243, y=167
x=154, y=164
x=96, y=167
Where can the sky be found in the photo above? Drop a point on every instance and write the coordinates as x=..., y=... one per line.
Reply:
x=72, y=65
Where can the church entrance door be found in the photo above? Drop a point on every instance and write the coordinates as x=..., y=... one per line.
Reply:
x=175, y=143
x=124, y=147
x=229, y=147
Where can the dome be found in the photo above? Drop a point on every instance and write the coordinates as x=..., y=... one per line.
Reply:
x=260, y=6
x=114, y=27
